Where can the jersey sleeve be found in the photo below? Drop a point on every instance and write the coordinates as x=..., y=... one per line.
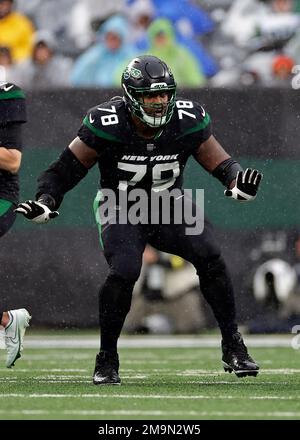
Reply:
x=100, y=128
x=196, y=125
x=12, y=104
x=205, y=124
x=11, y=136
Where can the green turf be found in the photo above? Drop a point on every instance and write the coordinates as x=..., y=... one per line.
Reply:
x=185, y=383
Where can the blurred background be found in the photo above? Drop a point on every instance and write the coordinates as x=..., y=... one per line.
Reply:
x=241, y=59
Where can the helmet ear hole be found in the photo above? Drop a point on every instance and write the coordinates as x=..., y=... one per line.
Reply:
x=146, y=75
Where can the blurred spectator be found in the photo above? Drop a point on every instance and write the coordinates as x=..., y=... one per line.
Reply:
x=86, y=16
x=166, y=297
x=206, y=61
x=297, y=261
x=273, y=283
x=262, y=30
x=5, y=56
x=291, y=310
x=277, y=28
x=10, y=69
x=240, y=23
x=16, y=31
x=190, y=22
x=267, y=69
x=275, y=290
x=50, y=15
x=164, y=45
x=45, y=70
x=282, y=6
x=187, y=16
x=101, y=64
x=282, y=69
x=140, y=15
x=261, y=24
x=292, y=48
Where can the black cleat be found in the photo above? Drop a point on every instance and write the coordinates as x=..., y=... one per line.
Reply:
x=236, y=358
x=107, y=369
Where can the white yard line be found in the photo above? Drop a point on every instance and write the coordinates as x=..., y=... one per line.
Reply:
x=132, y=380
x=154, y=342
x=142, y=372
x=180, y=414
x=142, y=396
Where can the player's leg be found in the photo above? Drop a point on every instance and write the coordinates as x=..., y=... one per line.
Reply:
x=123, y=247
x=14, y=322
x=204, y=253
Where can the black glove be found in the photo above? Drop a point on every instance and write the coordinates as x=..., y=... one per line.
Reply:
x=35, y=211
x=246, y=185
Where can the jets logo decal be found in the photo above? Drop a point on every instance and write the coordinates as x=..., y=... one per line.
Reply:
x=132, y=72
x=91, y=119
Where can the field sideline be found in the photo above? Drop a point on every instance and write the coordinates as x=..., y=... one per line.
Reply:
x=181, y=380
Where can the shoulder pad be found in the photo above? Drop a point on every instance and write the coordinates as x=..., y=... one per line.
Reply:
x=108, y=120
x=11, y=91
x=192, y=117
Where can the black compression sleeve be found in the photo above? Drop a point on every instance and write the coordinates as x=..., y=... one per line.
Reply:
x=11, y=135
x=226, y=171
x=60, y=177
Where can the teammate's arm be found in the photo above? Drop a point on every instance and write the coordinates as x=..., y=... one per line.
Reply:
x=10, y=141
x=10, y=159
x=61, y=176
x=241, y=185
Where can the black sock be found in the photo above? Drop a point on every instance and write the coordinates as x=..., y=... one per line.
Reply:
x=114, y=304
x=217, y=289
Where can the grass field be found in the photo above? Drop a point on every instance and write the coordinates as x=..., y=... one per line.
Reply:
x=52, y=380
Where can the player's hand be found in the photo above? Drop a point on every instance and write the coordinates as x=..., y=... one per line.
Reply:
x=246, y=185
x=35, y=211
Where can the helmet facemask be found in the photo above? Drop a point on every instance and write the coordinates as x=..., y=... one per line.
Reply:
x=154, y=114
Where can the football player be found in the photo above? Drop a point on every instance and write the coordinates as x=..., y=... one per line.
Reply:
x=143, y=141
x=12, y=116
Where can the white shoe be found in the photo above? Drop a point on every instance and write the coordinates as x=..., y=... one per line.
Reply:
x=14, y=334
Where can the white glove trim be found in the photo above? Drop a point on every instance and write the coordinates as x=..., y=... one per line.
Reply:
x=237, y=192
